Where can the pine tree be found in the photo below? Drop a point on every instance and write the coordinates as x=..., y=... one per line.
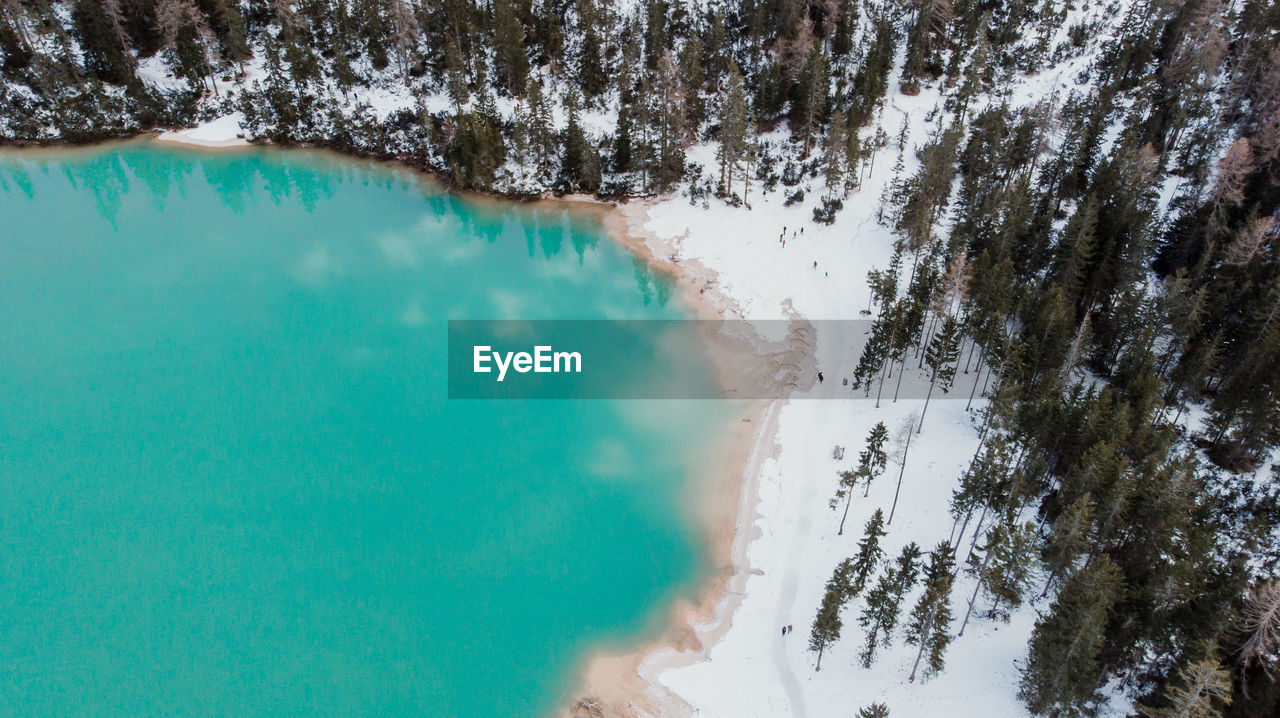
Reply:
x=1077, y=249
x=907, y=566
x=844, y=490
x=887, y=331
x=927, y=35
x=1062, y=673
x=575, y=141
x=875, y=710
x=875, y=353
x=836, y=158
x=770, y=92
x=872, y=459
x=846, y=23
x=294, y=47
x=1002, y=567
x=931, y=617
x=404, y=33
x=592, y=77
x=984, y=484
x=872, y=78
x=884, y=602
x=189, y=40
x=656, y=41
x=1008, y=577
x=644, y=152
x=228, y=23
x=280, y=110
x=103, y=40
x=941, y=357
x=622, y=139
x=456, y=78
x=520, y=149
x=879, y=616
x=869, y=553
x=718, y=54
x=827, y=624
x=541, y=137
x=1069, y=539
x=343, y=73
x=510, y=61
x=810, y=106
x=694, y=79
x=118, y=21
x=871, y=463
x=371, y=24
x=735, y=129
x=549, y=32
x=580, y=166
x=977, y=76
x=668, y=120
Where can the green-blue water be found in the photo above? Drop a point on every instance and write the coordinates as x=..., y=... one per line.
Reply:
x=231, y=483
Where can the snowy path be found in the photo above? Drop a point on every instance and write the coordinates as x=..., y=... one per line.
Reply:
x=787, y=611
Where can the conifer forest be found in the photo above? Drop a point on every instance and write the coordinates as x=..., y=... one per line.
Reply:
x=1107, y=250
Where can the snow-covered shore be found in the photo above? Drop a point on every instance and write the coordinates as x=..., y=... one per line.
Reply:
x=733, y=660
x=222, y=132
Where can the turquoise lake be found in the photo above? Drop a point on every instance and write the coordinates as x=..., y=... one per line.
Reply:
x=231, y=483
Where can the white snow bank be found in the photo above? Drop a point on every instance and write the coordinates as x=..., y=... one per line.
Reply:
x=222, y=132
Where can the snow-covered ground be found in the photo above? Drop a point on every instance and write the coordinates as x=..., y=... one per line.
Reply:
x=222, y=132
x=755, y=671
x=752, y=669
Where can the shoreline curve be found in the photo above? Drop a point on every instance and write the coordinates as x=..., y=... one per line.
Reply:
x=627, y=684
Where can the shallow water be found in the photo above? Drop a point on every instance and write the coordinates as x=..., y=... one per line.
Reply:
x=231, y=483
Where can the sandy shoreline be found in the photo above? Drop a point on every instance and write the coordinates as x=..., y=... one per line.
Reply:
x=626, y=684
x=175, y=138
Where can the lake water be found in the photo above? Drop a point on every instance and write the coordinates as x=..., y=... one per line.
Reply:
x=231, y=483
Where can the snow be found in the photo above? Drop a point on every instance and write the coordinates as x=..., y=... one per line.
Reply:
x=752, y=669
x=386, y=100
x=222, y=132
x=153, y=70
x=755, y=671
